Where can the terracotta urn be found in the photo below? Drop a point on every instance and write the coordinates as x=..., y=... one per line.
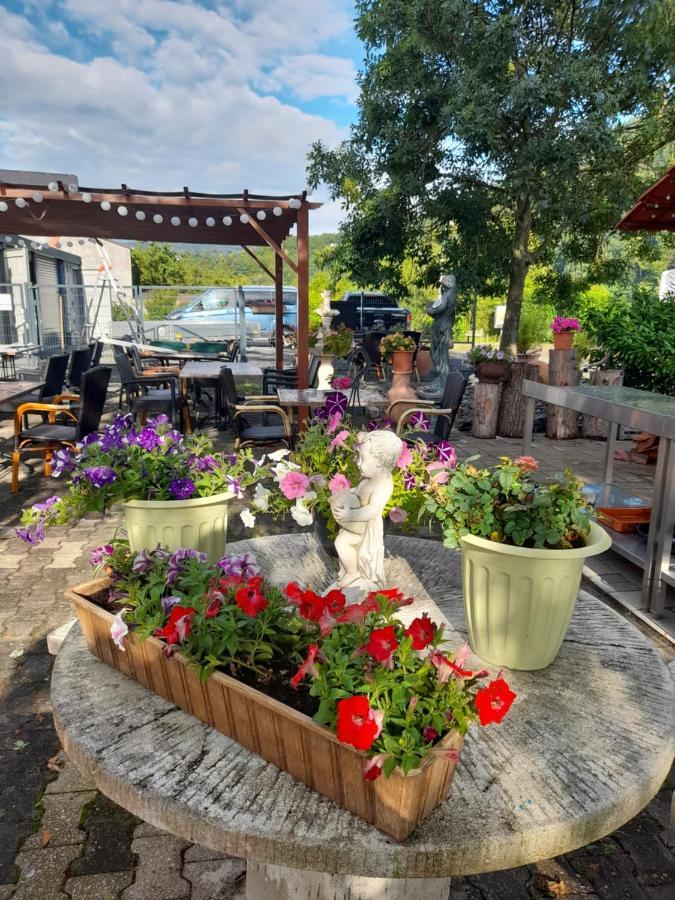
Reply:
x=563, y=340
x=491, y=371
x=402, y=361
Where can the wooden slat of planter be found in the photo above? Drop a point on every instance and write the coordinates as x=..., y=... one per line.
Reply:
x=281, y=735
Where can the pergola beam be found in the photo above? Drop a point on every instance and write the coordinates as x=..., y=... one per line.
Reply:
x=259, y=261
x=268, y=240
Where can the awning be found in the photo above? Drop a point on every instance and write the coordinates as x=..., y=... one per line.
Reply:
x=655, y=210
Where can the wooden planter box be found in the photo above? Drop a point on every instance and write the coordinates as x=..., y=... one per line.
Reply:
x=276, y=732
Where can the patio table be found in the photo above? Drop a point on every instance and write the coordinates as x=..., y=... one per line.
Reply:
x=644, y=411
x=585, y=747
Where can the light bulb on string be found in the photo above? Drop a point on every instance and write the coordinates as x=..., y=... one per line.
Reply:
x=210, y=221
x=37, y=196
x=294, y=203
x=20, y=202
x=53, y=186
x=140, y=215
x=86, y=198
x=105, y=205
x=157, y=219
x=122, y=210
x=175, y=220
x=192, y=222
x=243, y=218
x=261, y=215
x=3, y=206
x=71, y=188
x=227, y=220
x=277, y=210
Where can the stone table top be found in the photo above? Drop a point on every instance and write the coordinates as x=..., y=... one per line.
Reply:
x=585, y=747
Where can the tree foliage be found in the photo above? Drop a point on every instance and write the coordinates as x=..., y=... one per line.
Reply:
x=492, y=135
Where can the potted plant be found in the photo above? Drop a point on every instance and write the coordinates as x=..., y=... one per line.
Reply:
x=490, y=365
x=302, y=482
x=338, y=343
x=563, y=332
x=277, y=670
x=399, y=349
x=523, y=548
x=174, y=489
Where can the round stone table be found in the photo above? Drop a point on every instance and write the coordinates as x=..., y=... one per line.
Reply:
x=585, y=747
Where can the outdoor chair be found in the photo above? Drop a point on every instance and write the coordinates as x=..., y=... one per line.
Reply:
x=96, y=355
x=53, y=435
x=233, y=350
x=149, y=366
x=53, y=378
x=147, y=394
x=274, y=378
x=444, y=415
x=371, y=344
x=80, y=361
x=249, y=417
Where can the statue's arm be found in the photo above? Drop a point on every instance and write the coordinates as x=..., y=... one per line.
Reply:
x=378, y=500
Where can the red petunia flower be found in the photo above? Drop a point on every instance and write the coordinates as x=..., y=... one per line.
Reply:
x=356, y=612
x=249, y=599
x=422, y=631
x=178, y=625
x=373, y=767
x=494, y=701
x=307, y=666
x=294, y=592
x=213, y=608
x=446, y=667
x=429, y=733
x=334, y=601
x=357, y=723
x=382, y=643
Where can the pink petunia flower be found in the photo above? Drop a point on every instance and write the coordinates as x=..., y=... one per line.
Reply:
x=338, y=483
x=294, y=485
x=338, y=440
x=404, y=457
x=397, y=515
x=333, y=422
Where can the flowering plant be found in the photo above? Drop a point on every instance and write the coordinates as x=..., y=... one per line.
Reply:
x=485, y=353
x=506, y=505
x=391, y=690
x=338, y=343
x=132, y=462
x=560, y=325
x=395, y=342
x=324, y=463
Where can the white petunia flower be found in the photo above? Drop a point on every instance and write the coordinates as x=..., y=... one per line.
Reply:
x=119, y=628
x=301, y=514
x=278, y=455
x=247, y=517
x=261, y=498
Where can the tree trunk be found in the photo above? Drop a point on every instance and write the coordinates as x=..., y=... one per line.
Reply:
x=562, y=424
x=485, y=409
x=520, y=263
x=591, y=426
x=512, y=408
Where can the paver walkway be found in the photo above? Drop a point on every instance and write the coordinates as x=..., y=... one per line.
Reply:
x=59, y=838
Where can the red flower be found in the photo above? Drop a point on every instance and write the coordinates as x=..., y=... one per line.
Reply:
x=307, y=666
x=446, y=667
x=313, y=606
x=422, y=631
x=334, y=601
x=494, y=701
x=249, y=599
x=178, y=626
x=213, y=608
x=294, y=592
x=393, y=595
x=373, y=767
x=357, y=723
x=382, y=643
x=357, y=612
x=429, y=733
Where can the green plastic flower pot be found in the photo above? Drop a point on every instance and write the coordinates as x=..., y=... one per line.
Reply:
x=200, y=523
x=519, y=601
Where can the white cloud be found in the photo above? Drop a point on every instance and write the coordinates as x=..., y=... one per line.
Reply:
x=172, y=93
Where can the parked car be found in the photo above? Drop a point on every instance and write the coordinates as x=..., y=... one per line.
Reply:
x=218, y=306
x=362, y=310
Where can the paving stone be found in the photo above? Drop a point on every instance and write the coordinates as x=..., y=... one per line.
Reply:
x=146, y=830
x=6, y=891
x=510, y=884
x=610, y=871
x=158, y=869
x=98, y=887
x=69, y=778
x=640, y=838
x=215, y=879
x=60, y=822
x=555, y=877
x=11, y=560
x=109, y=831
x=43, y=873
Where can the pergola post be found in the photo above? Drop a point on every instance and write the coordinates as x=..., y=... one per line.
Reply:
x=303, y=295
x=279, y=310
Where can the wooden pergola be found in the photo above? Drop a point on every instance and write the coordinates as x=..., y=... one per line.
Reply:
x=56, y=205
x=655, y=210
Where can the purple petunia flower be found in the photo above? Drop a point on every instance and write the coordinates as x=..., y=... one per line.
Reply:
x=205, y=463
x=244, y=566
x=148, y=439
x=322, y=414
x=168, y=604
x=177, y=559
x=33, y=534
x=62, y=461
x=47, y=504
x=409, y=480
x=182, y=488
x=112, y=440
x=232, y=459
x=446, y=452
x=88, y=439
x=173, y=436
x=336, y=402
x=98, y=556
x=99, y=476
x=234, y=484
x=156, y=421
x=143, y=563
x=419, y=421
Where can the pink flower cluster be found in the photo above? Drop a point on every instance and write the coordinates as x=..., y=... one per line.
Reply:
x=561, y=324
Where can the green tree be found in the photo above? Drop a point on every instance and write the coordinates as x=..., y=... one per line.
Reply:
x=157, y=264
x=506, y=131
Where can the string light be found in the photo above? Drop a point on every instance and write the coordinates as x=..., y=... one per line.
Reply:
x=175, y=220
x=294, y=203
x=140, y=215
x=261, y=215
x=192, y=222
x=227, y=220
x=122, y=210
x=277, y=210
x=243, y=218
x=3, y=206
x=210, y=222
x=86, y=198
x=53, y=186
x=157, y=219
x=20, y=202
x=71, y=188
x=105, y=205
x=37, y=196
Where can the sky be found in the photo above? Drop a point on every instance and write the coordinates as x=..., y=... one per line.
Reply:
x=219, y=95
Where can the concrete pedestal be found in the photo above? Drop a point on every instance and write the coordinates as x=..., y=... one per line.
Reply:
x=265, y=882
x=326, y=372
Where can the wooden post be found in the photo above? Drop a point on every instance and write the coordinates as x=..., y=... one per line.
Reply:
x=486, y=409
x=279, y=311
x=512, y=408
x=562, y=372
x=303, y=303
x=591, y=426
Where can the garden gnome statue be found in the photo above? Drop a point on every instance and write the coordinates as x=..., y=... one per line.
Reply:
x=326, y=368
x=442, y=311
x=358, y=512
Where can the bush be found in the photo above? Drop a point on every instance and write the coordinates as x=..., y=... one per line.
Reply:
x=637, y=334
x=534, y=325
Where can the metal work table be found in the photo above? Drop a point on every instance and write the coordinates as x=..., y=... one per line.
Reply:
x=644, y=411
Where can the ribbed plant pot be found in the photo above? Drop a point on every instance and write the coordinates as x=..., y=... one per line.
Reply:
x=402, y=361
x=563, y=340
x=200, y=523
x=519, y=601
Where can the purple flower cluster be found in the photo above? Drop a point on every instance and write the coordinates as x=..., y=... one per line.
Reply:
x=377, y=424
x=560, y=325
x=148, y=439
x=177, y=559
x=99, y=476
x=62, y=461
x=182, y=488
x=244, y=566
x=419, y=421
x=34, y=532
x=234, y=485
x=98, y=556
x=446, y=452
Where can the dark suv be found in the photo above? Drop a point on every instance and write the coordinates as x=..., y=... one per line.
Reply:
x=361, y=310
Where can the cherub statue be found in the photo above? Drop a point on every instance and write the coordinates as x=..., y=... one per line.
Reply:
x=358, y=512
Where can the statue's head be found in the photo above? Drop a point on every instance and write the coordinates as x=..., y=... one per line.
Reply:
x=447, y=281
x=377, y=450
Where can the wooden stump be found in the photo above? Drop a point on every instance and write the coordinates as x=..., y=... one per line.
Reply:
x=591, y=426
x=512, y=407
x=562, y=372
x=486, y=409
